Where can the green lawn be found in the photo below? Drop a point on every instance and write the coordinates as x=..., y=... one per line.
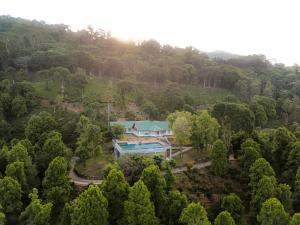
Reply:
x=95, y=166
x=50, y=94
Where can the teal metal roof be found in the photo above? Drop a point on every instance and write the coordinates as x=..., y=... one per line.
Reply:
x=144, y=125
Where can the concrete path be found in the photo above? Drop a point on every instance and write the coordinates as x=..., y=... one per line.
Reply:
x=78, y=180
x=85, y=182
x=186, y=149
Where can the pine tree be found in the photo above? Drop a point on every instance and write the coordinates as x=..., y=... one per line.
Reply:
x=36, y=213
x=90, y=208
x=194, y=214
x=138, y=209
x=115, y=189
x=56, y=185
x=224, y=218
x=219, y=158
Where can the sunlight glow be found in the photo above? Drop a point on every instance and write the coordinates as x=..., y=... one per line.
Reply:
x=269, y=27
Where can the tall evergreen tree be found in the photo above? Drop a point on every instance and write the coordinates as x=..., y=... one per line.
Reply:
x=272, y=213
x=10, y=195
x=176, y=203
x=194, y=214
x=233, y=204
x=224, y=218
x=115, y=188
x=90, y=208
x=156, y=185
x=138, y=209
x=16, y=171
x=219, y=158
x=36, y=213
x=56, y=185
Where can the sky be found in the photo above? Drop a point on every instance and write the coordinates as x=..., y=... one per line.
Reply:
x=269, y=27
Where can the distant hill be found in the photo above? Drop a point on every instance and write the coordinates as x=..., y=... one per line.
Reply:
x=222, y=55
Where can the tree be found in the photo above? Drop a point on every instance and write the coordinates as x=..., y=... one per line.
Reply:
x=250, y=143
x=284, y=195
x=250, y=155
x=16, y=171
x=224, y=218
x=282, y=142
x=266, y=188
x=117, y=131
x=90, y=208
x=2, y=216
x=156, y=185
x=182, y=130
x=297, y=187
x=293, y=163
x=19, y=153
x=18, y=106
x=259, y=169
x=36, y=213
x=272, y=213
x=90, y=139
x=138, y=209
x=56, y=185
x=194, y=214
x=53, y=147
x=38, y=127
x=219, y=158
x=115, y=189
x=233, y=204
x=295, y=220
x=10, y=195
x=205, y=129
x=176, y=203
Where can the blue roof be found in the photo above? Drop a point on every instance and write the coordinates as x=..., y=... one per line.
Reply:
x=146, y=125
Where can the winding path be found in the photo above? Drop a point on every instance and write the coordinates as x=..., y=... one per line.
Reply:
x=85, y=182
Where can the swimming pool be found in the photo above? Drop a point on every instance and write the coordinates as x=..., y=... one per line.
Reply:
x=140, y=146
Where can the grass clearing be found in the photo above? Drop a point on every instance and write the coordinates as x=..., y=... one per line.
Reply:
x=94, y=167
x=192, y=156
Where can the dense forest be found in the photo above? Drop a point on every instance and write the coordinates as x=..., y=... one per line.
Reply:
x=54, y=90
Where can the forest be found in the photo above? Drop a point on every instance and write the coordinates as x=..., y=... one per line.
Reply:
x=240, y=114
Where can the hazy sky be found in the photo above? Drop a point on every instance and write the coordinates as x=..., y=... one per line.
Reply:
x=270, y=27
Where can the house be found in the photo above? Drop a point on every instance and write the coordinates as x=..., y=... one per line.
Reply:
x=145, y=128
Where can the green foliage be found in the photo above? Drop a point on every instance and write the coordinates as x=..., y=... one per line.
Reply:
x=224, y=218
x=16, y=171
x=285, y=196
x=19, y=153
x=259, y=169
x=133, y=166
x=36, y=213
x=205, y=129
x=156, y=185
x=90, y=208
x=56, y=185
x=295, y=220
x=53, y=147
x=90, y=140
x=10, y=195
x=181, y=124
x=194, y=214
x=293, y=163
x=138, y=209
x=237, y=116
x=39, y=126
x=115, y=189
x=176, y=203
x=2, y=217
x=282, y=142
x=272, y=213
x=219, y=158
x=19, y=107
x=233, y=204
x=266, y=188
x=117, y=131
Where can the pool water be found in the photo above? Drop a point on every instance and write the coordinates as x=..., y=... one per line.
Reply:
x=153, y=145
